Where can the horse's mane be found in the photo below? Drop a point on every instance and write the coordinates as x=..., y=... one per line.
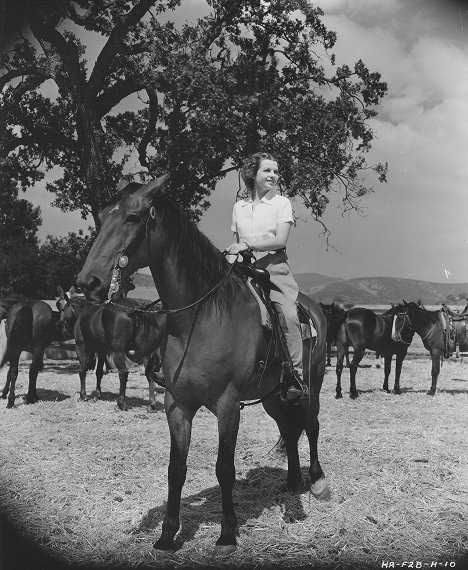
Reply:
x=198, y=261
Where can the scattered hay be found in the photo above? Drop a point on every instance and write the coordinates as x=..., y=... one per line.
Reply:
x=87, y=483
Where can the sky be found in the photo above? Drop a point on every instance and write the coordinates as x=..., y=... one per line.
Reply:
x=416, y=225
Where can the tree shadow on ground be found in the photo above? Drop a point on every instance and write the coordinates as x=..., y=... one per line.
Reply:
x=262, y=488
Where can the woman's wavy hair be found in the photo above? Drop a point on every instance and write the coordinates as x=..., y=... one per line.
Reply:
x=250, y=168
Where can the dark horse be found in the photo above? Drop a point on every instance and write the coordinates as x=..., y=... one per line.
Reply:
x=30, y=326
x=363, y=329
x=7, y=302
x=124, y=328
x=429, y=325
x=333, y=314
x=215, y=352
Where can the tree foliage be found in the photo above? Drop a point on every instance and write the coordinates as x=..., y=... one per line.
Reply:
x=249, y=75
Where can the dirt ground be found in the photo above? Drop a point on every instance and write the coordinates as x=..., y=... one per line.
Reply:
x=83, y=484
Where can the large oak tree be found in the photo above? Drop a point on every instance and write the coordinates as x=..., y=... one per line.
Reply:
x=191, y=97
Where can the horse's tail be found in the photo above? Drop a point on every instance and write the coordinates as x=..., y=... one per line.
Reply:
x=3, y=342
x=20, y=332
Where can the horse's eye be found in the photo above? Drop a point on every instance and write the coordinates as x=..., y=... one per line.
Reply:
x=133, y=219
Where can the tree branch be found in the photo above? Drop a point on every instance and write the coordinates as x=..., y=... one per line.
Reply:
x=114, y=45
x=151, y=127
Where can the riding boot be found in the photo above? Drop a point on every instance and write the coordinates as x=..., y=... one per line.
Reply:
x=296, y=390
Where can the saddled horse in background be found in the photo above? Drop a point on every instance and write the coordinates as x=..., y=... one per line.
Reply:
x=431, y=327
x=30, y=326
x=216, y=351
x=126, y=328
x=363, y=329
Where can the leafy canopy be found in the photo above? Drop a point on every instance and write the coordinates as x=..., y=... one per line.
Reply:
x=192, y=97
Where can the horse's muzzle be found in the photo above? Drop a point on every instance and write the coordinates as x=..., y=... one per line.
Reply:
x=92, y=288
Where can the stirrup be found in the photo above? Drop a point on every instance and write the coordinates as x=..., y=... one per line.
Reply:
x=296, y=392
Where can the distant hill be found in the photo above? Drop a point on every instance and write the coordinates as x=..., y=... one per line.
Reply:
x=386, y=290
x=308, y=281
x=357, y=291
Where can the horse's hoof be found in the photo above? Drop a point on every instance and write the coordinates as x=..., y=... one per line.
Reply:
x=386, y=390
x=338, y=396
x=398, y=392
x=120, y=408
x=430, y=393
x=166, y=545
x=225, y=549
x=320, y=490
x=4, y=396
x=10, y=405
x=353, y=395
x=152, y=409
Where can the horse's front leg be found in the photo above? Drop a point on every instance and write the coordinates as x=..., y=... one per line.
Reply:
x=119, y=359
x=83, y=360
x=357, y=357
x=435, y=370
x=228, y=414
x=387, y=371
x=37, y=364
x=180, y=427
x=101, y=359
x=398, y=367
x=340, y=354
x=329, y=345
x=318, y=484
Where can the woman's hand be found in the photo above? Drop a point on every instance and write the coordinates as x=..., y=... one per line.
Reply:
x=236, y=248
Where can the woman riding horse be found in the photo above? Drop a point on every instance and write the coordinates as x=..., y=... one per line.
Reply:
x=215, y=352
x=261, y=224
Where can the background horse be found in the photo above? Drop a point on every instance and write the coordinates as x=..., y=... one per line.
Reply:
x=216, y=351
x=124, y=329
x=334, y=316
x=363, y=329
x=430, y=327
x=30, y=326
x=7, y=302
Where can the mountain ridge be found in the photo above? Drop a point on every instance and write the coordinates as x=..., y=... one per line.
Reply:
x=358, y=290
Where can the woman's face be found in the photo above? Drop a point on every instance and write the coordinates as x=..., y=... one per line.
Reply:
x=267, y=176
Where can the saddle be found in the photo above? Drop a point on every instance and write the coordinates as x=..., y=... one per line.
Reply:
x=455, y=331
x=259, y=280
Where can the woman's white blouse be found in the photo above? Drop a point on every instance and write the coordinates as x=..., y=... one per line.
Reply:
x=259, y=223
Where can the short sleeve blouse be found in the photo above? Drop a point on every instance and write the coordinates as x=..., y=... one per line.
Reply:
x=261, y=222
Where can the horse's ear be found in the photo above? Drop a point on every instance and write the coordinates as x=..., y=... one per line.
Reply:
x=60, y=291
x=71, y=291
x=152, y=187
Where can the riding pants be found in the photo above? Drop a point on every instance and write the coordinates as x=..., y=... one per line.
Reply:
x=284, y=300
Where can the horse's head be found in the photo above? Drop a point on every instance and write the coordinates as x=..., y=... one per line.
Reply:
x=118, y=250
x=402, y=329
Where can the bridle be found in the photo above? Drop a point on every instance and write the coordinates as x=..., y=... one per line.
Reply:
x=123, y=258
x=397, y=336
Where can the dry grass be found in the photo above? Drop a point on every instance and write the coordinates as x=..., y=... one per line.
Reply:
x=88, y=483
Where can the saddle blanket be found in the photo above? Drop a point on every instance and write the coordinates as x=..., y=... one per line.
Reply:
x=307, y=329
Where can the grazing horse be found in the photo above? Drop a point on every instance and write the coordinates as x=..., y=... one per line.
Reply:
x=334, y=315
x=362, y=328
x=429, y=325
x=124, y=328
x=30, y=326
x=216, y=351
